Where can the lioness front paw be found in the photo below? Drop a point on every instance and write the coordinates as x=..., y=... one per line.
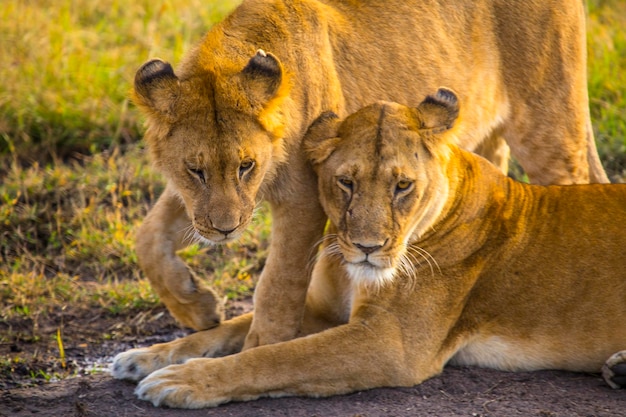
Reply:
x=136, y=364
x=181, y=386
x=614, y=370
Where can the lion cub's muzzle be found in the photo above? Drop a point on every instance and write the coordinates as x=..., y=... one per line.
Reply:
x=219, y=234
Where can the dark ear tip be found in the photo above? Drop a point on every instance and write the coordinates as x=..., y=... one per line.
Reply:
x=327, y=115
x=443, y=96
x=322, y=119
x=153, y=70
x=264, y=64
x=447, y=95
x=439, y=111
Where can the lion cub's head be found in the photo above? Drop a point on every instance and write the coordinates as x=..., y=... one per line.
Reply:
x=382, y=180
x=214, y=129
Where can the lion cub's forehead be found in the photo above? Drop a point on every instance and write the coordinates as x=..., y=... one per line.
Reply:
x=217, y=132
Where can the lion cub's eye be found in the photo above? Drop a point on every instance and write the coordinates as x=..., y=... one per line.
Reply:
x=345, y=183
x=403, y=185
x=198, y=173
x=245, y=166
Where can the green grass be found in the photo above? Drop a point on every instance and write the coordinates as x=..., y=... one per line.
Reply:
x=67, y=236
x=68, y=66
x=68, y=210
x=607, y=81
x=75, y=183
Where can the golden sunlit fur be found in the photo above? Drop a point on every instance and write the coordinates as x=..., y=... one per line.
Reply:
x=433, y=256
x=226, y=127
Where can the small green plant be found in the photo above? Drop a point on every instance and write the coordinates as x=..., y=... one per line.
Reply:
x=41, y=374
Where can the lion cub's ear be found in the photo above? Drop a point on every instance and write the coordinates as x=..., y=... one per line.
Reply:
x=266, y=85
x=321, y=138
x=264, y=75
x=156, y=87
x=439, y=112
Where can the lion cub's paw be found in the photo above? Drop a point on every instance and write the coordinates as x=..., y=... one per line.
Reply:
x=201, y=311
x=614, y=370
x=179, y=386
x=135, y=364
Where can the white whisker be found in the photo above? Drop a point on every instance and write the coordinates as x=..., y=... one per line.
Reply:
x=424, y=255
x=332, y=249
x=190, y=236
x=407, y=266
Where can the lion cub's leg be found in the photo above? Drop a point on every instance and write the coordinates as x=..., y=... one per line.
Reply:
x=497, y=151
x=328, y=305
x=164, y=231
x=328, y=300
x=223, y=340
x=614, y=370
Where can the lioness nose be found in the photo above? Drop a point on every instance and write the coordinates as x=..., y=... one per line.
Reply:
x=368, y=249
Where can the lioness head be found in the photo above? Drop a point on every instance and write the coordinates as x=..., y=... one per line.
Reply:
x=216, y=134
x=382, y=180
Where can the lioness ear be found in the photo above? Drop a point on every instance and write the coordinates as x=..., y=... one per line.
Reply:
x=156, y=87
x=321, y=138
x=439, y=112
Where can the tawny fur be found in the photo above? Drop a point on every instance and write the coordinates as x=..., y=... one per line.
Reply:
x=488, y=272
x=226, y=127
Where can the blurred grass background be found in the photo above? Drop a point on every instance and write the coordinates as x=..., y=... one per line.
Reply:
x=606, y=48
x=74, y=179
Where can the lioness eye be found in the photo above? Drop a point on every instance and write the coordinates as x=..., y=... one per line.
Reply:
x=403, y=185
x=345, y=183
x=198, y=173
x=245, y=166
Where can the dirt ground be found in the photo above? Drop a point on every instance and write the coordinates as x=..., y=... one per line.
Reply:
x=459, y=391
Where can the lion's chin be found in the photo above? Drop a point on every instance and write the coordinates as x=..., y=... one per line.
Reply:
x=369, y=275
x=215, y=239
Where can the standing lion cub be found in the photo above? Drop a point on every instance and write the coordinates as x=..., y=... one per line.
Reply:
x=433, y=257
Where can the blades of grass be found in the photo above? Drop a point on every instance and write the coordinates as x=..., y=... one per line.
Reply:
x=61, y=349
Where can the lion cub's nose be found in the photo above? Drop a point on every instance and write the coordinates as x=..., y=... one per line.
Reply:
x=367, y=249
x=225, y=232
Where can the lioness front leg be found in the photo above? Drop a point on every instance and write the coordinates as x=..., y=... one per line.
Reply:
x=165, y=230
x=223, y=340
x=356, y=356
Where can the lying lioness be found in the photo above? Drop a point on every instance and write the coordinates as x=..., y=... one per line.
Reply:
x=434, y=257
